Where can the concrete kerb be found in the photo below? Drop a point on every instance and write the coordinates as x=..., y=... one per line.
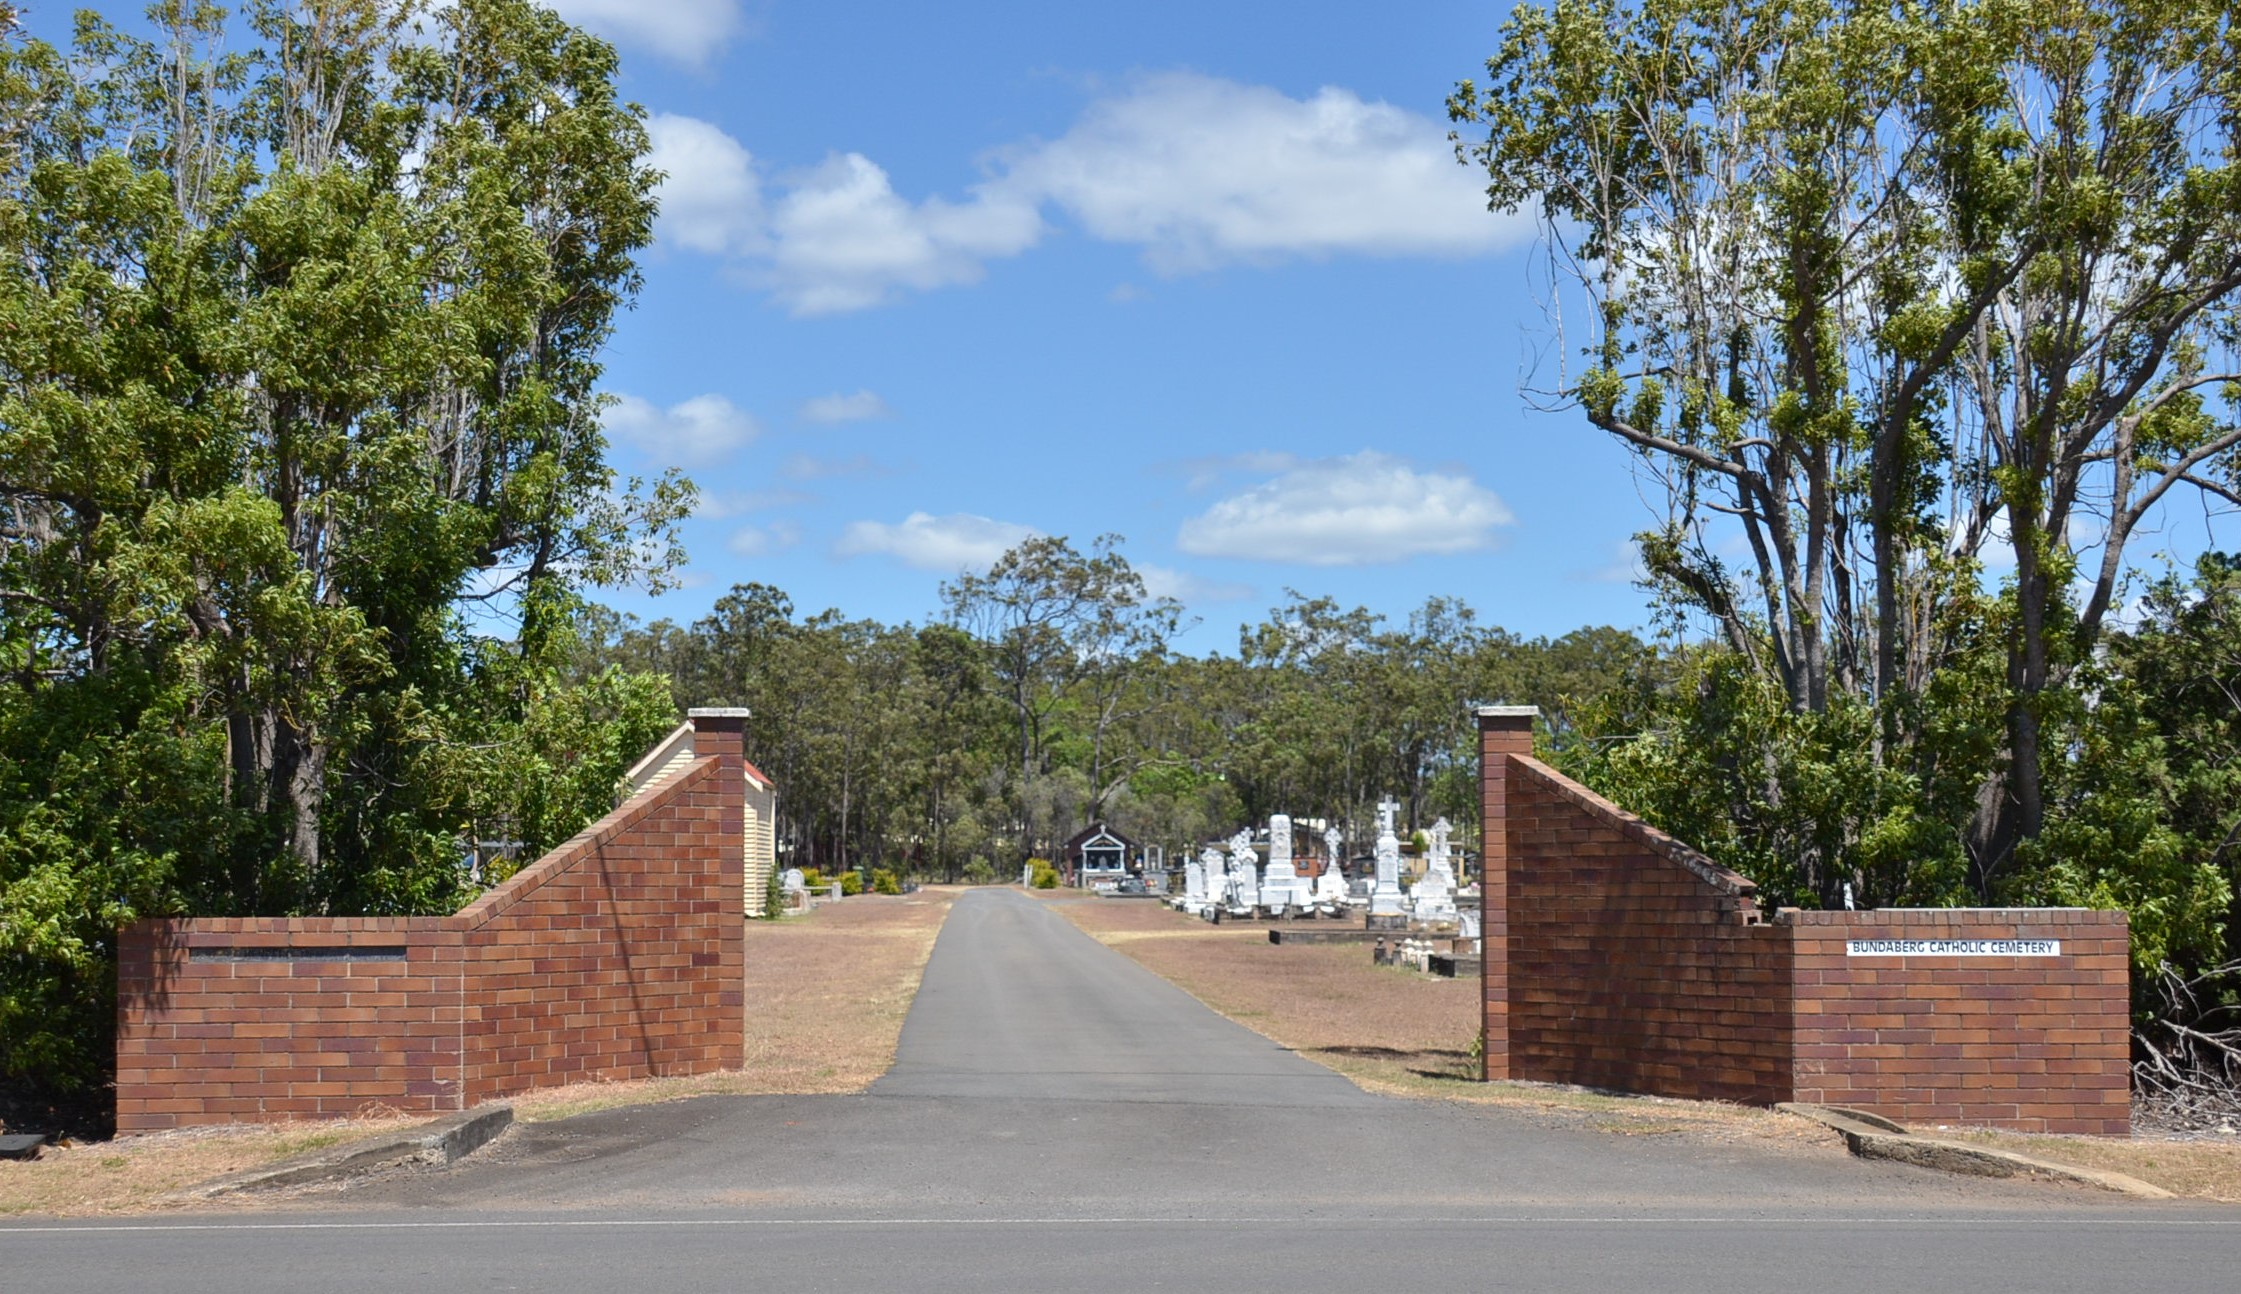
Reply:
x=436, y=1143
x=1873, y=1137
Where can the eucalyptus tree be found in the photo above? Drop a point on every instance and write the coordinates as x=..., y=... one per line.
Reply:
x=301, y=471
x=1888, y=297
x=1055, y=621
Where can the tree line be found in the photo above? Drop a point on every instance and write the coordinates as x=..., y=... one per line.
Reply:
x=1047, y=693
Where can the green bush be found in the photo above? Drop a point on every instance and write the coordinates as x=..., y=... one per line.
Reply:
x=851, y=883
x=886, y=882
x=813, y=879
x=774, y=895
x=980, y=872
x=1041, y=874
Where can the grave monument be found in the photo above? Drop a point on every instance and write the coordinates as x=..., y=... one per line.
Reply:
x=1433, y=898
x=1330, y=887
x=1283, y=888
x=1245, y=881
x=1217, y=880
x=1385, y=898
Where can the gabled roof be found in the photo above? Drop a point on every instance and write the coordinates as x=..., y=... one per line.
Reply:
x=674, y=752
x=1091, y=832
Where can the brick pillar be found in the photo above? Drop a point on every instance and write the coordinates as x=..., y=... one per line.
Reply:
x=1503, y=731
x=719, y=732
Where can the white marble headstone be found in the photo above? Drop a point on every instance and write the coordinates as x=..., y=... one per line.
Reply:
x=1330, y=887
x=1434, y=896
x=1244, y=873
x=1282, y=887
x=1385, y=898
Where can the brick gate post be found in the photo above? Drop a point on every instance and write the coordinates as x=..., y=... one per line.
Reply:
x=1503, y=731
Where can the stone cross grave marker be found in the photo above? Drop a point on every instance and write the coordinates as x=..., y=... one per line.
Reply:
x=1385, y=899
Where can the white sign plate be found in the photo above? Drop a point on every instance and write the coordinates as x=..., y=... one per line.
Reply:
x=1953, y=948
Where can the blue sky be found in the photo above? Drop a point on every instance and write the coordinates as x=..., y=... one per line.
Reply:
x=931, y=278
x=1205, y=276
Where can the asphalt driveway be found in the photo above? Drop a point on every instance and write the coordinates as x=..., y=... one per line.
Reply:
x=1060, y=1118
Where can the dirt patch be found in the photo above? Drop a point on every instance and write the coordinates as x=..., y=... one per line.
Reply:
x=129, y=1174
x=826, y=997
x=1391, y=1030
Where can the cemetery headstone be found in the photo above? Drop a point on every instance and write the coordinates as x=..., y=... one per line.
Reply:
x=1283, y=887
x=1244, y=871
x=1434, y=896
x=1385, y=894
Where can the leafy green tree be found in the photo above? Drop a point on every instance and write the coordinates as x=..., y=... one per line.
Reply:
x=1055, y=621
x=1885, y=294
x=301, y=472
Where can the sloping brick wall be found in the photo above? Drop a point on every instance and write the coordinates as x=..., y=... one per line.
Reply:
x=1634, y=963
x=1617, y=957
x=619, y=954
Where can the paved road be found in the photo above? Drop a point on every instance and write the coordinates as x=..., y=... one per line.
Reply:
x=1058, y=1118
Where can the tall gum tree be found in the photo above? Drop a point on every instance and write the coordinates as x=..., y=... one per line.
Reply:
x=1886, y=297
x=301, y=470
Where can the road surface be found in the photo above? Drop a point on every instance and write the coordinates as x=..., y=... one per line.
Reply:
x=1059, y=1118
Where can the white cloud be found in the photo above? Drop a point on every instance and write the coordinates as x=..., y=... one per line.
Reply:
x=1189, y=589
x=1357, y=510
x=683, y=31
x=1198, y=171
x=1201, y=172
x=703, y=429
x=860, y=407
x=843, y=239
x=960, y=541
x=710, y=199
x=761, y=541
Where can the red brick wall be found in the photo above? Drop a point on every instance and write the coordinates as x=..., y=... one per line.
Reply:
x=1634, y=963
x=1617, y=957
x=623, y=958
x=1501, y=734
x=2042, y=1044
x=212, y=1031
x=619, y=954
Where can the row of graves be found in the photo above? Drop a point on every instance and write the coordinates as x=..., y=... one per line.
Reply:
x=1420, y=925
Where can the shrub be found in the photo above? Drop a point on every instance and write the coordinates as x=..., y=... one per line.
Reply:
x=851, y=883
x=813, y=878
x=774, y=895
x=980, y=872
x=1041, y=874
x=886, y=882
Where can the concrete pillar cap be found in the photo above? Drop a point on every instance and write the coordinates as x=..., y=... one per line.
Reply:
x=1506, y=711
x=718, y=712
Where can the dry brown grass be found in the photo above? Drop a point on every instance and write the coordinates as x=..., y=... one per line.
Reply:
x=826, y=997
x=131, y=1174
x=2205, y=1168
x=826, y=1001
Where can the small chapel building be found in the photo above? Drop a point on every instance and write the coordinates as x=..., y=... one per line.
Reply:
x=1098, y=854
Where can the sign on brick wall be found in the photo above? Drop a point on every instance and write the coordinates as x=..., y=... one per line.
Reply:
x=1953, y=948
